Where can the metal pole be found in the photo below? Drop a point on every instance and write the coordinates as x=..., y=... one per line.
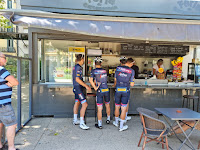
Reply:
x=19, y=93
x=30, y=89
x=30, y=38
x=43, y=74
x=86, y=61
x=187, y=136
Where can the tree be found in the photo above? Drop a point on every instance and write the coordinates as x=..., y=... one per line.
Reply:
x=3, y=20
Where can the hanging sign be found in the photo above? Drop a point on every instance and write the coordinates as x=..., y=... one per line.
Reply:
x=77, y=49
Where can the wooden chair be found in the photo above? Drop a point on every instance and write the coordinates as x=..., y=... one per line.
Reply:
x=153, y=128
x=198, y=128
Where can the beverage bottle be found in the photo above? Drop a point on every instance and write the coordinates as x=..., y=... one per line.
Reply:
x=145, y=82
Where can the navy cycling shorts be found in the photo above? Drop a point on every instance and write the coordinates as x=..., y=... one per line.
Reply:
x=79, y=96
x=122, y=96
x=103, y=94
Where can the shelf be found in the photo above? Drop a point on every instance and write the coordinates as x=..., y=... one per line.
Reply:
x=110, y=55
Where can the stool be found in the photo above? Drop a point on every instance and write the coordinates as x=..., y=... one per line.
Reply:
x=95, y=107
x=188, y=98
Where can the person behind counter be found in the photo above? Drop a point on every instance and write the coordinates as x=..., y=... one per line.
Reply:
x=78, y=91
x=99, y=75
x=158, y=69
x=135, y=68
x=124, y=78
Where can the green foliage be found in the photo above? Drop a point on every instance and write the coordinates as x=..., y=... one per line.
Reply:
x=68, y=70
x=2, y=2
x=4, y=23
x=65, y=69
x=11, y=66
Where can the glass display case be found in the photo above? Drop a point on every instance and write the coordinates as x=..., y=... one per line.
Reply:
x=191, y=71
x=194, y=72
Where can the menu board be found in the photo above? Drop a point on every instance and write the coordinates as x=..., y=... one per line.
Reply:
x=153, y=50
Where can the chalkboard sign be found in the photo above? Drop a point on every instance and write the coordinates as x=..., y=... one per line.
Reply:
x=150, y=49
x=162, y=50
x=153, y=50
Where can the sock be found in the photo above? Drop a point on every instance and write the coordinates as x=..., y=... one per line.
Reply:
x=108, y=118
x=99, y=122
x=122, y=124
x=116, y=120
x=75, y=117
x=126, y=114
x=81, y=120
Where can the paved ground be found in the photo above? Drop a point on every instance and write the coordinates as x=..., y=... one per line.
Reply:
x=60, y=134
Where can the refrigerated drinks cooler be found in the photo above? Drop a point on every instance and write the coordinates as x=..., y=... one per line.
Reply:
x=197, y=73
x=194, y=72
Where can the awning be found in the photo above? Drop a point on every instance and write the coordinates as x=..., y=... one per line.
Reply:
x=168, y=30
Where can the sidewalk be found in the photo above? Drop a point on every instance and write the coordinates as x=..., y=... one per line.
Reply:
x=60, y=134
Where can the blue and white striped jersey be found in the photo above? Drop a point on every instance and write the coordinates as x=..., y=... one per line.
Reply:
x=5, y=91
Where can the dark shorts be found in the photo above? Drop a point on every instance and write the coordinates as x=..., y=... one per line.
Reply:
x=103, y=94
x=79, y=95
x=122, y=96
x=7, y=115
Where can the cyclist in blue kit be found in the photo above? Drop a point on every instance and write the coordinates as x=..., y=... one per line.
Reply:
x=78, y=91
x=124, y=78
x=99, y=76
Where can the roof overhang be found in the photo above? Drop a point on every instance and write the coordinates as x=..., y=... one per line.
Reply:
x=132, y=29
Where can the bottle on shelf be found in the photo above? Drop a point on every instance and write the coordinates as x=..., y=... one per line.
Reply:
x=145, y=82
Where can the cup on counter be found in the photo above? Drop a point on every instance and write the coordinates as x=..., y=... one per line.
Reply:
x=178, y=111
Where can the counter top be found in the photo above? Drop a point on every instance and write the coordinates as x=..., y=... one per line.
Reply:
x=153, y=86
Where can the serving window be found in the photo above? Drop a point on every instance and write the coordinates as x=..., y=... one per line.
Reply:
x=56, y=62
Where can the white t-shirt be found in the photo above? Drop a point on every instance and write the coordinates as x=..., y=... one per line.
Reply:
x=156, y=67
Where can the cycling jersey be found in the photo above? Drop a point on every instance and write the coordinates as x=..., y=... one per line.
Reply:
x=100, y=77
x=78, y=89
x=124, y=76
x=77, y=72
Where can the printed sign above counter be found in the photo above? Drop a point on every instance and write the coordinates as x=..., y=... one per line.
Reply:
x=153, y=50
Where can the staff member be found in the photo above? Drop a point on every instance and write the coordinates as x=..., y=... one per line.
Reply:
x=158, y=69
x=100, y=77
x=78, y=91
x=124, y=78
x=135, y=68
